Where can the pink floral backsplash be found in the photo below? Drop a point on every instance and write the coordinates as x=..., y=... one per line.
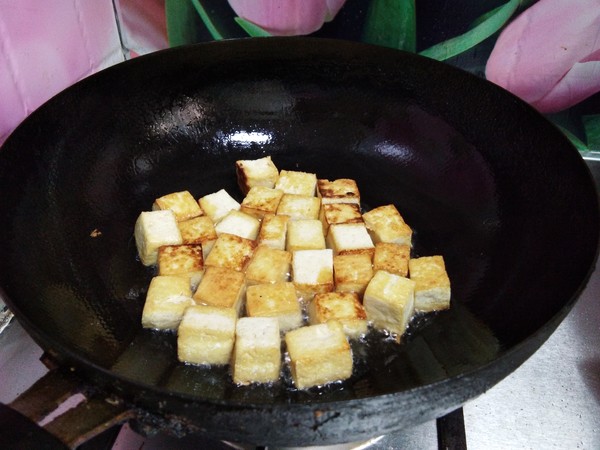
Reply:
x=547, y=52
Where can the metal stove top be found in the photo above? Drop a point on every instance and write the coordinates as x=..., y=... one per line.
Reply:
x=552, y=401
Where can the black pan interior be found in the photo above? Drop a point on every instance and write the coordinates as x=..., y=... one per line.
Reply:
x=481, y=177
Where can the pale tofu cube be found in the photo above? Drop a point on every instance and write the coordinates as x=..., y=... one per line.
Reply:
x=295, y=182
x=305, y=234
x=183, y=204
x=312, y=272
x=182, y=260
x=268, y=265
x=385, y=224
x=273, y=231
x=319, y=354
x=199, y=230
x=154, y=229
x=432, y=284
x=345, y=307
x=335, y=213
x=389, y=302
x=240, y=224
x=206, y=335
x=257, y=351
x=256, y=172
x=278, y=300
x=166, y=300
x=343, y=190
x=392, y=258
x=261, y=200
x=299, y=206
x=348, y=236
x=218, y=204
x=221, y=287
x=231, y=251
x=352, y=272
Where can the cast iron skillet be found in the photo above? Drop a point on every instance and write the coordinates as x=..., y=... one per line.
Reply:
x=482, y=178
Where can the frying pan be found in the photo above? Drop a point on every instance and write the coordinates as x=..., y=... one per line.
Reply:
x=481, y=177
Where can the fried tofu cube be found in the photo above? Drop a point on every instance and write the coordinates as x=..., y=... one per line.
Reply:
x=231, y=251
x=218, y=204
x=273, y=231
x=256, y=172
x=335, y=213
x=295, y=182
x=312, y=272
x=166, y=300
x=432, y=284
x=352, y=272
x=182, y=260
x=257, y=351
x=206, y=335
x=154, y=229
x=183, y=204
x=305, y=234
x=348, y=236
x=221, y=287
x=261, y=200
x=345, y=307
x=392, y=258
x=319, y=354
x=385, y=224
x=240, y=224
x=389, y=302
x=343, y=190
x=199, y=230
x=299, y=206
x=268, y=265
x=277, y=300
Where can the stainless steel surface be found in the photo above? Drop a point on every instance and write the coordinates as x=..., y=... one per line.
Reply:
x=551, y=402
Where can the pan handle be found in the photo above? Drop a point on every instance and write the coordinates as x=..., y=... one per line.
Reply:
x=57, y=410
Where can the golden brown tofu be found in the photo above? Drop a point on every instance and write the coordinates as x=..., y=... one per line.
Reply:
x=295, y=182
x=352, y=272
x=299, y=206
x=240, y=224
x=183, y=204
x=221, y=287
x=206, y=335
x=261, y=200
x=277, y=300
x=348, y=236
x=166, y=300
x=268, y=265
x=199, y=230
x=392, y=258
x=344, y=307
x=312, y=272
x=385, y=224
x=231, y=251
x=305, y=234
x=153, y=229
x=432, y=284
x=359, y=251
x=389, y=302
x=319, y=354
x=273, y=231
x=182, y=260
x=256, y=172
x=343, y=190
x=335, y=213
x=257, y=351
